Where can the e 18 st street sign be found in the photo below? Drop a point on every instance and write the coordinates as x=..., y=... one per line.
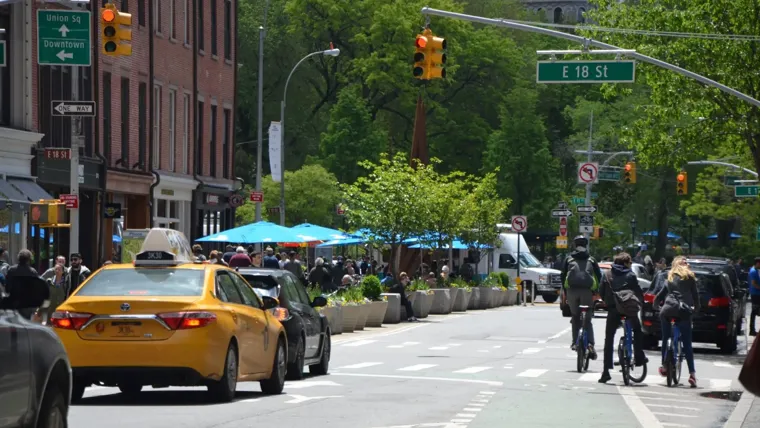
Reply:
x=585, y=71
x=63, y=37
x=746, y=191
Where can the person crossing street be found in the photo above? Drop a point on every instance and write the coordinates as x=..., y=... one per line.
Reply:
x=580, y=278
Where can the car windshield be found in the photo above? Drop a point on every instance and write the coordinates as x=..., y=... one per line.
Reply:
x=263, y=282
x=144, y=282
x=528, y=260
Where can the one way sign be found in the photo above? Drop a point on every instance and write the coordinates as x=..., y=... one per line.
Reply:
x=74, y=108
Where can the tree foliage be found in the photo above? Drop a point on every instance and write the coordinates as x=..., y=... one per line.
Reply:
x=484, y=210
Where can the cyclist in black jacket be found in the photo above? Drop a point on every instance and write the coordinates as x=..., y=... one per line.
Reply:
x=621, y=277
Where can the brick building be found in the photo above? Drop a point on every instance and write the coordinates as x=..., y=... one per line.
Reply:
x=159, y=151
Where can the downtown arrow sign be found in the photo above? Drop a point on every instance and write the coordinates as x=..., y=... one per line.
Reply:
x=73, y=108
x=587, y=208
x=562, y=213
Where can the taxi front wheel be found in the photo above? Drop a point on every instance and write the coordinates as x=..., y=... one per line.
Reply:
x=223, y=390
x=276, y=382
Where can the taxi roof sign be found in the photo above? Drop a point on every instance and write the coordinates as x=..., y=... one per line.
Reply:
x=164, y=247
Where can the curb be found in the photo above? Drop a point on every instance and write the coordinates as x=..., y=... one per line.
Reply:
x=740, y=411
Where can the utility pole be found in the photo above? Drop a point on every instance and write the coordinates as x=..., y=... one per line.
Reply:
x=76, y=136
x=588, y=159
x=260, y=114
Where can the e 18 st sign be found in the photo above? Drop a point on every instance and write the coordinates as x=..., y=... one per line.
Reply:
x=586, y=71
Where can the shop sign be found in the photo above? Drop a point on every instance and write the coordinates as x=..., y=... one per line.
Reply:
x=167, y=192
x=111, y=210
x=212, y=199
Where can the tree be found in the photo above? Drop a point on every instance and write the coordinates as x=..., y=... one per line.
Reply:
x=351, y=136
x=312, y=194
x=485, y=209
x=389, y=201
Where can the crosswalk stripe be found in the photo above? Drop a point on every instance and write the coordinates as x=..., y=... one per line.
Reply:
x=471, y=409
x=588, y=377
x=359, y=343
x=439, y=348
x=531, y=351
x=674, y=407
x=473, y=370
x=675, y=415
x=723, y=364
x=360, y=366
x=417, y=367
x=670, y=424
x=720, y=383
x=532, y=373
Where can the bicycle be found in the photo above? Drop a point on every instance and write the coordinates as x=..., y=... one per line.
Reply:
x=625, y=355
x=674, y=355
x=581, y=343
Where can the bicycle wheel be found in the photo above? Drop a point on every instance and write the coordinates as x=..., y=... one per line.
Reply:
x=580, y=354
x=624, y=361
x=668, y=363
x=678, y=363
x=588, y=360
x=638, y=374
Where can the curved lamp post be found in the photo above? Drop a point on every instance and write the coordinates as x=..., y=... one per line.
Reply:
x=329, y=52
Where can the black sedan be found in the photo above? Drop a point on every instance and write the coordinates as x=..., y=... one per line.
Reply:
x=308, y=330
x=718, y=320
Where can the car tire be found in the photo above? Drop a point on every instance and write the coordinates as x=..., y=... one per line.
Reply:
x=295, y=369
x=53, y=410
x=129, y=388
x=77, y=391
x=549, y=298
x=276, y=382
x=728, y=344
x=223, y=390
x=322, y=368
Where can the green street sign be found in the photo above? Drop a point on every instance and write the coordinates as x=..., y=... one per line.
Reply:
x=731, y=180
x=746, y=191
x=609, y=175
x=63, y=37
x=3, y=60
x=585, y=71
x=577, y=200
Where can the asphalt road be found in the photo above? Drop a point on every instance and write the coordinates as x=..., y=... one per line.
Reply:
x=479, y=369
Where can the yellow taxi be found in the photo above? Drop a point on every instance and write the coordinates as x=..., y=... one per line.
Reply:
x=166, y=320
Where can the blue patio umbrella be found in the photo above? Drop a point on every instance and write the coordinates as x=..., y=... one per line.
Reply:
x=456, y=245
x=257, y=233
x=654, y=233
x=339, y=242
x=732, y=236
x=116, y=238
x=320, y=232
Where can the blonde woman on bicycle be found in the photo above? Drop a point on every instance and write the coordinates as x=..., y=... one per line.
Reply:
x=681, y=299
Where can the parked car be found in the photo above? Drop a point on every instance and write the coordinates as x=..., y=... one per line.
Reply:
x=717, y=322
x=308, y=331
x=724, y=265
x=35, y=375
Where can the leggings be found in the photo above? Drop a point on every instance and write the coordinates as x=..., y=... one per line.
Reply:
x=684, y=329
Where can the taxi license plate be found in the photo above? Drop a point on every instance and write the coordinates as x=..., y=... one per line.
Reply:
x=126, y=328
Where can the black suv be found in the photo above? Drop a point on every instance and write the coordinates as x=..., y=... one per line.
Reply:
x=308, y=330
x=724, y=265
x=719, y=319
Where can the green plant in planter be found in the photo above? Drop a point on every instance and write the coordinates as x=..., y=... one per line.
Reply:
x=371, y=288
x=492, y=280
x=418, y=285
x=504, y=279
x=353, y=295
x=460, y=283
x=314, y=292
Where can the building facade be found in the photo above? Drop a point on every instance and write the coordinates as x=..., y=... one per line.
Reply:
x=558, y=11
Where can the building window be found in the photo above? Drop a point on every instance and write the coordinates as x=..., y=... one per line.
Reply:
x=213, y=27
x=186, y=18
x=124, y=6
x=558, y=15
x=185, y=131
x=142, y=119
x=157, y=16
x=172, y=124
x=156, y=126
x=199, y=140
x=228, y=29
x=199, y=26
x=172, y=31
x=168, y=214
x=125, y=123
x=582, y=15
x=141, y=12
x=107, y=115
x=226, y=143
x=212, y=143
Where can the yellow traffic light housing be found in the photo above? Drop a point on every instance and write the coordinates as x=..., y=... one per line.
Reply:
x=598, y=232
x=116, y=38
x=682, y=183
x=629, y=175
x=48, y=213
x=429, y=56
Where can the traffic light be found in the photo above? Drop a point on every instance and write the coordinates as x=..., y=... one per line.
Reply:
x=598, y=232
x=682, y=183
x=429, y=56
x=630, y=173
x=114, y=36
x=48, y=213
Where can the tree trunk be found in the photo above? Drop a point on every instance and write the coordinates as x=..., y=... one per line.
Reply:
x=724, y=229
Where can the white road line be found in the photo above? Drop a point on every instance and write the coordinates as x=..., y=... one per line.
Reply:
x=471, y=409
x=588, y=377
x=666, y=399
x=669, y=424
x=417, y=367
x=349, y=339
x=510, y=367
x=675, y=415
x=497, y=347
x=465, y=415
x=720, y=384
x=674, y=407
x=454, y=344
x=461, y=421
x=479, y=400
x=404, y=345
x=473, y=370
x=531, y=351
x=723, y=364
x=560, y=334
x=643, y=391
x=484, y=350
x=440, y=379
x=249, y=400
x=488, y=392
x=477, y=404
x=439, y=348
x=532, y=373
x=360, y=366
x=359, y=343
x=639, y=409
x=542, y=342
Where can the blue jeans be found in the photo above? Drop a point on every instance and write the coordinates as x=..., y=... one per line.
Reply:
x=684, y=328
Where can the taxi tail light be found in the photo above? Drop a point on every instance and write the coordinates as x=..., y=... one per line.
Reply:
x=281, y=314
x=188, y=319
x=69, y=320
x=719, y=302
x=649, y=298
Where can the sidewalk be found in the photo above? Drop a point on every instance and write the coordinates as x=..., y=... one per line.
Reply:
x=747, y=411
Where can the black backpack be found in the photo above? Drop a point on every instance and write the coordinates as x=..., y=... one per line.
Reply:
x=580, y=274
x=626, y=301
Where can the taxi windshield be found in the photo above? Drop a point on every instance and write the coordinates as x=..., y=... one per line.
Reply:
x=144, y=282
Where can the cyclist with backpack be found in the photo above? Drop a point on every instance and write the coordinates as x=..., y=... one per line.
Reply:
x=581, y=276
x=681, y=299
x=623, y=296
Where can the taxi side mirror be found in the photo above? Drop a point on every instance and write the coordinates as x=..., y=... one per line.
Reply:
x=269, y=302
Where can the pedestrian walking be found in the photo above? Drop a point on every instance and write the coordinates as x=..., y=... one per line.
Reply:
x=754, y=295
x=76, y=274
x=240, y=259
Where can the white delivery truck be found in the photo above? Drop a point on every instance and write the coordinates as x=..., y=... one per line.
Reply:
x=504, y=259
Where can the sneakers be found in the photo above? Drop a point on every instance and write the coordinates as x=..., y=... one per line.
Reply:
x=412, y=319
x=605, y=377
x=573, y=347
x=693, y=380
x=663, y=372
x=592, y=352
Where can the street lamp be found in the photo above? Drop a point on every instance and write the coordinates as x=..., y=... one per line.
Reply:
x=328, y=52
x=633, y=231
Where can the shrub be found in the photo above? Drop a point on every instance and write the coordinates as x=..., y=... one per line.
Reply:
x=504, y=279
x=371, y=288
x=418, y=285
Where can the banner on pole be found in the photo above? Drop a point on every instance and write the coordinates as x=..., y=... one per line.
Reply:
x=275, y=148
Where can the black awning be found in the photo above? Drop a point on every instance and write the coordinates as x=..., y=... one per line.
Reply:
x=30, y=189
x=10, y=194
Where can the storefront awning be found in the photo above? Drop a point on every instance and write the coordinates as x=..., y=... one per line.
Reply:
x=8, y=193
x=30, y=189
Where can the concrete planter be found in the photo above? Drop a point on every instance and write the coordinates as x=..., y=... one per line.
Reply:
x=393, y=311
x=486, y=298
x=421, y=303
x=505, y=294
x=462, y=299
x=474, y=302
x=361, y=319
x=502, y=298
x=376, y=313
x=441, y=303
x=455, y=292
x=512, y=297
x=334, y=315
x=350, y=315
